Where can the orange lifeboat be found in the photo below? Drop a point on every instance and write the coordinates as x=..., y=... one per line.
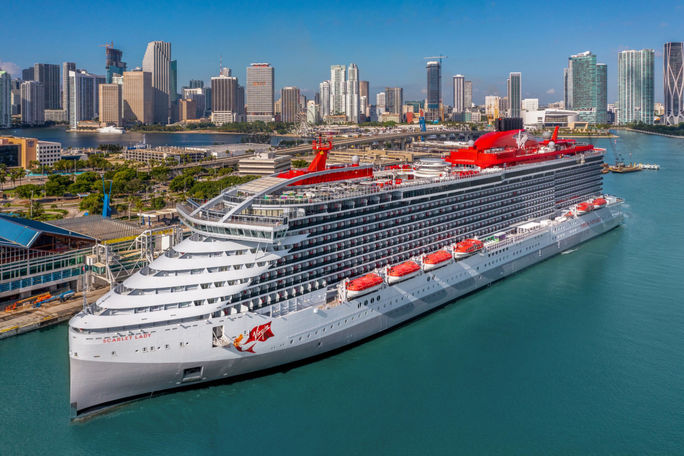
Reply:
x=599, y=202
x=583, y=208
x=436, y=260
x=363, y=285
x=402, y=271
x=467, y=248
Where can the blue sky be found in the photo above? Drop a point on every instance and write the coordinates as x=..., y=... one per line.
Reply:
x=483, y=40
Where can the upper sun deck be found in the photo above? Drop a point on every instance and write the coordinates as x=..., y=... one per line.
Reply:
x=260, y=210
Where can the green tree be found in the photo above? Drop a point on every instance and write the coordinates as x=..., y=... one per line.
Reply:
x=92, y=204
x=157, y=203
x=160, y=173
x=25, y=191
x=300, y=164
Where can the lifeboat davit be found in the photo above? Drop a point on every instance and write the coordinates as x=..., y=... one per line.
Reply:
x=467, y=248
x=599, y=202
x=363, y=285
x=402, y=271
x=583, y=208
x=436, y=260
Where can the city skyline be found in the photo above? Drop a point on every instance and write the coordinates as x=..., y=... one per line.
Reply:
x=199, y=54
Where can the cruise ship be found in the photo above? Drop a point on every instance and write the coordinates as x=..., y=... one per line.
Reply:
x=294, y=265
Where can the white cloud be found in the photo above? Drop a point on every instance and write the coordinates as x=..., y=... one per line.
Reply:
x=551, y=91
x=10, y=67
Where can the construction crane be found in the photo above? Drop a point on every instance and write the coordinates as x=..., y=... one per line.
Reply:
x=108, y=45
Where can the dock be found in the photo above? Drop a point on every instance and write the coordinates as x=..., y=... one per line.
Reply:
x=23, y=320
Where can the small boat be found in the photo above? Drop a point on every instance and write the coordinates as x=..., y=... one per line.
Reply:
x=599, y=202
x=110, y=130
x=583, y=208
x=402, y=271
x=363, y=285
x=466, y=248
x=436, y=260
x=621, y=167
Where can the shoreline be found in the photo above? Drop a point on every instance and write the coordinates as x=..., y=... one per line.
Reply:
x=589, y=136
x=654, y=133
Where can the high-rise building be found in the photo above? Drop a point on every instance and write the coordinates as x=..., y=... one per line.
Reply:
x=601, y=93
x=157, y=62
x=173, y=80
x=5, y=99
x=66, y=67
x=363, y=89
x=241, y=102
x=113, y=63
x=394, y=100
x=260, y=78
x=225, y=71
x=363, y=106
x=27, y=74
x=290, y=104
x=110, y=104
x=137, y=97
x=32, y=103
x=48, y=75
x=586, y=89
x=196, y=84
x=459, y=93
x=514, y=84
x=324, y=88
x=635, y=86
x=468, y=94
x=673, y=82
x=530, y=104
x=84, y=96
x=352, y=108
x=187, y=109
x=312, y=112
x=434, y=85
x=15, y=96
x=380, y=103
x=198, y=96
x=492, y=103
x=337, y=86
x=224, y=93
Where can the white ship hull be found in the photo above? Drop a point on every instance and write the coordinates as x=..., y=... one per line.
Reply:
x=114, y=368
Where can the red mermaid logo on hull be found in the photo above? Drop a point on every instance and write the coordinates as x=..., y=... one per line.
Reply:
x=259, y=333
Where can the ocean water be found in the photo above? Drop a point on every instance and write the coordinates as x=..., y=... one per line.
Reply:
x=581, y=354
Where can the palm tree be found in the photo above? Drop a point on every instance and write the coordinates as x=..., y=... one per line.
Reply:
x=3, y=178
x=21, y=173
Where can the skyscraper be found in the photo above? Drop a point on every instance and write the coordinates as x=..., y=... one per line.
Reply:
x=110, y=104
x=224, y=93
x=601, y=93
x=459, y=93
x=173, y=80
x=157, y=62
x=635, y=86
x=380, y=103
x=66, y=67
x=324, y=88
x=15, y=96
x=363, y=89
x=434, y=85
x=137, y=97
x=196, y=84
x=467, y=94
x=48, y=75
x=84, y=97
x=337, y=86
x=27, y=74
x=586, y=87
x=260, y=78
x=673, y=82
x=113, y=63
x=290, y=104
x=5, y=99
x=394, y=99
x=198, y=96
x=352, y=107
x=514, y=84
x=32, y=103
x=225, y=71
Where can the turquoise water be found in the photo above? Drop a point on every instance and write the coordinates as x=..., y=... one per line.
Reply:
x=581, y=354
